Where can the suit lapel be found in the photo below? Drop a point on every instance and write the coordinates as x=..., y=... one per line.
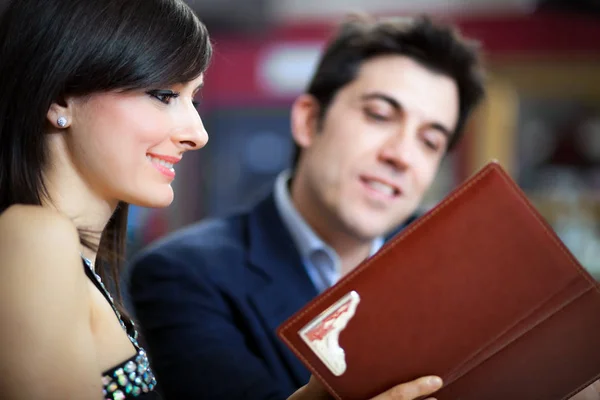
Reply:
x=279, y=285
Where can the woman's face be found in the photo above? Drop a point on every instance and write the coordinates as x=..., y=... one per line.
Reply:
x=125, y=144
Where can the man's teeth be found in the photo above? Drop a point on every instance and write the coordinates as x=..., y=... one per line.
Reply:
x=382, y=187
x=159, y=161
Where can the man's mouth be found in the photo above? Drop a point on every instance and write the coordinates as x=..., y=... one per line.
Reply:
x=386, y=188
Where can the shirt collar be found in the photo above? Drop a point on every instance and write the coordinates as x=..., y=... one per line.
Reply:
x=305, y=238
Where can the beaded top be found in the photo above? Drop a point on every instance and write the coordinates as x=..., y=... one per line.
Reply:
x=133, y=377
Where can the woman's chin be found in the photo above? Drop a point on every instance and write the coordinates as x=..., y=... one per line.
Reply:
x=155, y=200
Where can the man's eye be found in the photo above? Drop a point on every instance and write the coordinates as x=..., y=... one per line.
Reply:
x=375, y=116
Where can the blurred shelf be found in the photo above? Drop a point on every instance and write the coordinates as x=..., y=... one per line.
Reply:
x=549, y=205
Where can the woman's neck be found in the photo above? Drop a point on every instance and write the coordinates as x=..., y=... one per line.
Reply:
x=70, y=195
x=89, y=214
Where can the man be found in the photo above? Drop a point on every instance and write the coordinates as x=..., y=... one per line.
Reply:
x=387, y=101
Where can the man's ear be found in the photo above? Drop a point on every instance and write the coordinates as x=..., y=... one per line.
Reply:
x=60, y=114
x=305, y=119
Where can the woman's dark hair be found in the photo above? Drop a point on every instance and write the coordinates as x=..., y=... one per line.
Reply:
x=50, y=49
x=436, y=46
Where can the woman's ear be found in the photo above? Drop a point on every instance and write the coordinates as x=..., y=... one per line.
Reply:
x=60, y=114
x=305, y=118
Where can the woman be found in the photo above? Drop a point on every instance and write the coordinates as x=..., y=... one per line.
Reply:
x=96, y=107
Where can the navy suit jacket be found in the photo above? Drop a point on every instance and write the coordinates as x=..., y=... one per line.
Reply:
x=209, y=299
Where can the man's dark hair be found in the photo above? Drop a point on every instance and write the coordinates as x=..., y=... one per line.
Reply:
x=436, y=46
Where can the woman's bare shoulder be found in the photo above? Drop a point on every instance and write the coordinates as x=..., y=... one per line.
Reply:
x=32, y=236
x=34, y=217
x=29, y=226
x=42, y=279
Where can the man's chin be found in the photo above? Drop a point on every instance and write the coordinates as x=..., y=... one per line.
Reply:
x=366, y=232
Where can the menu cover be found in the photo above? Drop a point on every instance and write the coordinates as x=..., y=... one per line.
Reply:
x=479, y=291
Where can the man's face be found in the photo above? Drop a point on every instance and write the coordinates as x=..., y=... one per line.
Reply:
x=378, y=148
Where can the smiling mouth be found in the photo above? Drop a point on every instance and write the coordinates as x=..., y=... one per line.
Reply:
x=158, y=161
x=164, y=167
x=381, y=187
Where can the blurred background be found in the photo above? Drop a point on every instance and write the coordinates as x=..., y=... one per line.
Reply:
x=541, y=118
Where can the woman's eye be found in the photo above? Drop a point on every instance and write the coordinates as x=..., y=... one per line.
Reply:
x=164, y=96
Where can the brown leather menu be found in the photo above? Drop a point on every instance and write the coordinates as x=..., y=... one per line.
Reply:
x=479, y=290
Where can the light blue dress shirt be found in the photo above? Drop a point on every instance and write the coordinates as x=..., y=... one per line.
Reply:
x=322, y=263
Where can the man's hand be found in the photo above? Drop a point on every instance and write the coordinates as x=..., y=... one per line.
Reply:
x=591, y=392
x=406, y=391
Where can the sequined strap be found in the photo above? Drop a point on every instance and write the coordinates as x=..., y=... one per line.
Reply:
x=128, y=324
x=129, y=379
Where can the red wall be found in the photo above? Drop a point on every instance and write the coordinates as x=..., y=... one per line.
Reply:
x=232, y=77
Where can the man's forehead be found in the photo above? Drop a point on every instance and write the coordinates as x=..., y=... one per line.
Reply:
x=409, y=84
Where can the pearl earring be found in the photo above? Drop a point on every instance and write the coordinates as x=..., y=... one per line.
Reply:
x=62, y=122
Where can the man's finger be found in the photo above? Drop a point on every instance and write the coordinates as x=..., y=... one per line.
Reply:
x=412, y=390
